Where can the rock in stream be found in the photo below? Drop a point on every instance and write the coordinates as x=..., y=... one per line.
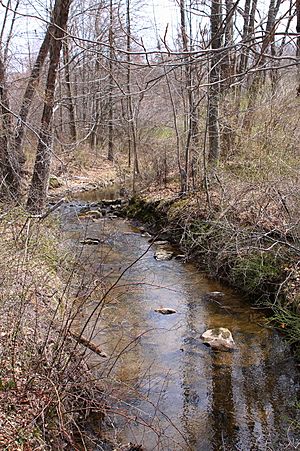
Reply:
x=219, y=339
x=163, y=255
x=165, y=311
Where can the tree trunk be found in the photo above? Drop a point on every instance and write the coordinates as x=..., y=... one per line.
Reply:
x=10, y=170
x=39, y=183
x=191, y=113
x=248, y=30
x=28, y=97
x=70, y=104
x=10, y=174
x=228, y=65
x=110, y=154
x=298, y=43
x=259, y=77
x=132, y=136
x=129, y=105
x=214, y=87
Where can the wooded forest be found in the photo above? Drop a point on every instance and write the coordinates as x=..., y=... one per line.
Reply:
x=222, y=94
x=189, y=110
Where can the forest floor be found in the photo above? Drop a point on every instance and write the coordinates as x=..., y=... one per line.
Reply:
x=95, y=173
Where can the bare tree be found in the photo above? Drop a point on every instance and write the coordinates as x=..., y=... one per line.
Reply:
x=39, y=183
x=132, y=138
x=69, y=100
x=191, y=123
x=29, y=95
x=10, y=168
x=298, y=42
x=110, y=154
x=9, y=160
x=214, y=86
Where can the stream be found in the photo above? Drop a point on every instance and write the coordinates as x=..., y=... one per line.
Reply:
x=166, y=389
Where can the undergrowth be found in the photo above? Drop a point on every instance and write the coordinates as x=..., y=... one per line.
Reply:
x=46, y=389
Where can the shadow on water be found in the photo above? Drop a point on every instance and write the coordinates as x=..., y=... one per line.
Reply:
x=170, y=391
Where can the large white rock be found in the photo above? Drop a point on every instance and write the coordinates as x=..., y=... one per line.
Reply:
x=219, y=338
x=163, y=255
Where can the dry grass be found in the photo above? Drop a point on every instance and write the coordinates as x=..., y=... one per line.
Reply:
x=46, y=390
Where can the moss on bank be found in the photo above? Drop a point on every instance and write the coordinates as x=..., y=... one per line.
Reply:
x=249, y=259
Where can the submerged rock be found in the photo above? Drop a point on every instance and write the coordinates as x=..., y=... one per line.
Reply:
x=94, y=241
x=145, y=234
x=219, y=339
x=91, y=214
x=165, y=311
x=215, y=294
x=163, y=255
x=161, y=239
x=110, y=202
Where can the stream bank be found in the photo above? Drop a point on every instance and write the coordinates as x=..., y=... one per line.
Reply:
x=260, y=264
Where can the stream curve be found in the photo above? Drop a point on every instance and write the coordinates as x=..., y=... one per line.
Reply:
x=167, y=390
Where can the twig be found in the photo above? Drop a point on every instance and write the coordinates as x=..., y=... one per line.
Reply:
x=50, y=210
x=87, y=343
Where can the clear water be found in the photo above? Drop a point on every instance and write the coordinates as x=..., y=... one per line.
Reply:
x=167, y=390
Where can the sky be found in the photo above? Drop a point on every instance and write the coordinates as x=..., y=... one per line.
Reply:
x=29, y=31
x=161, y=14
x=151, y=16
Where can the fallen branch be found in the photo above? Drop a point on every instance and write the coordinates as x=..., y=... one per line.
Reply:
x=87, y=343
x=50, y=210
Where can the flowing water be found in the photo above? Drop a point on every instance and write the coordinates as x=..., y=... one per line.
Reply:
x=166, y=389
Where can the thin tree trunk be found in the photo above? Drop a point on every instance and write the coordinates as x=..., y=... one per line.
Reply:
x=245, y=35
x=28, y=96
x=128, y=48
x=214, y=87
x=12, y=24
x=110, y=154
x=248, y=30
x=298, y=43
x=175, y=121
x=39, y=183
x=70, y=104
x=258, y=79
x=10, y=174
x=275, y=69
x=132, y=136
x=187, y=69
x=228, y=63
x=10, y=170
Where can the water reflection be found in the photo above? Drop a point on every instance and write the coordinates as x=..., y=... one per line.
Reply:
x=177, y=393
